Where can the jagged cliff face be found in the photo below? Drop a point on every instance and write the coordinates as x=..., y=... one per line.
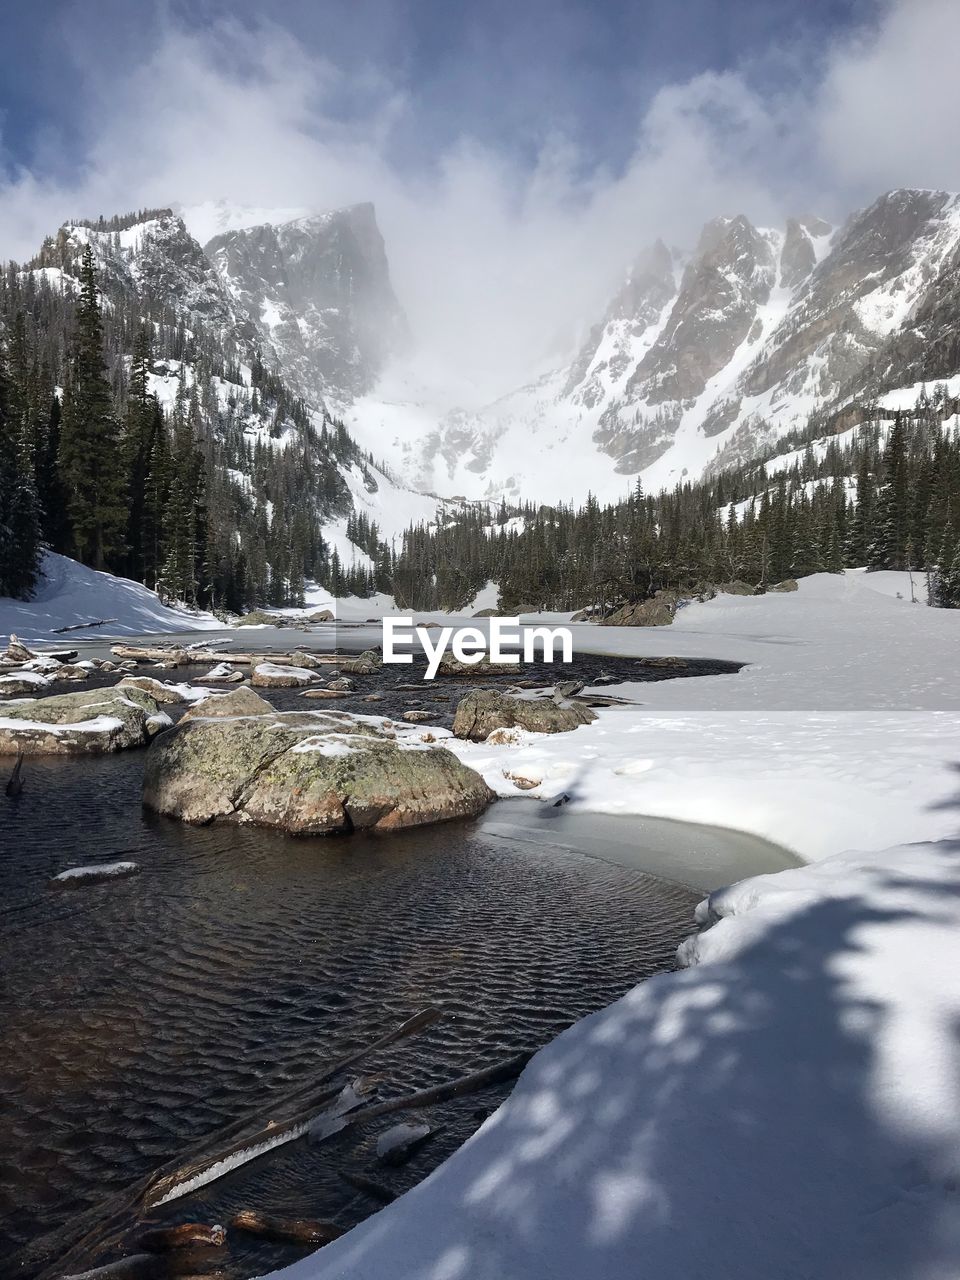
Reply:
x=702, y=359
x=159, y=262
x=318, y=292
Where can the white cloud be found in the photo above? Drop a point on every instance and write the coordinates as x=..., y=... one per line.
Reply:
x=494, y=260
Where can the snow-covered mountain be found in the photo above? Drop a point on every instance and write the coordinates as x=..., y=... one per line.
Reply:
x=702, y=360
x=318, y=291
x=208, y=335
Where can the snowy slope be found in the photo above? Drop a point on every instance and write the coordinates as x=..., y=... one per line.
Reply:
x=701, y=361
x=70, y=593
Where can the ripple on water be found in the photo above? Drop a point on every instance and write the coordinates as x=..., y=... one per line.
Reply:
x=141, y=1014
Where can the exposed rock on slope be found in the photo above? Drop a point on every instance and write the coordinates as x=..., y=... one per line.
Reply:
x=318, y=291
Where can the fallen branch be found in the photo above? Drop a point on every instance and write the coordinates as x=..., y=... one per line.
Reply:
x=473, y=1083
x=95, y=1228
x=82, y=626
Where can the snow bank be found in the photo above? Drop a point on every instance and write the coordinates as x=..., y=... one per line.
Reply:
x=786, y=1108
x=70, y=593
x=814, y=783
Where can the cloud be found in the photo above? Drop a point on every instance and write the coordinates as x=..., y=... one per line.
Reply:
x=500, y=259
x=888, y=105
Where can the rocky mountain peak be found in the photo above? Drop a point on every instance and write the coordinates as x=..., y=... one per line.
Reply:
x=318, y=291
x=154, y=257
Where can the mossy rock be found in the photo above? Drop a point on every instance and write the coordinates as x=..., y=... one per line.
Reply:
x=484, y=710
x=307, y=773
x=92, y=722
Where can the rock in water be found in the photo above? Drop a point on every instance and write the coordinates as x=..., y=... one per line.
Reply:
x=365, y=664
x=78, y=877
x=23, y=682
x=223, y=673
x=164, y=694
x=396, y=1145
x=308, y=773
x=238, y=702
x=16, y=651
x=484, y=710
x=94, y=721
x=270, y=676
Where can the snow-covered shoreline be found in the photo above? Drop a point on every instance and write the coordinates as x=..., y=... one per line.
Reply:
x=786, y=1106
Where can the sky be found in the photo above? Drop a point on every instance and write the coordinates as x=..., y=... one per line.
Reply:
x=520, y=155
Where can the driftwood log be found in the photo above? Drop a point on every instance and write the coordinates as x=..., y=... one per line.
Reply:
x=70, y=1246
x=297, y=1230
x=184, y=1235
x=179, y=657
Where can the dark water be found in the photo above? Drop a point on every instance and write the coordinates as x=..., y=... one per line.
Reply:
x=141, y=1014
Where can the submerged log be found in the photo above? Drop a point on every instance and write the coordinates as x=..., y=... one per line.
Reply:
x=138, y=1266
x=297, y=1230
x=369, y=1186
x=15, y=781
x=499, y=1073
x=184, y=1235
x=96, y=1228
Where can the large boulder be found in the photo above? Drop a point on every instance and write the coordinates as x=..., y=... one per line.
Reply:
x=268, y=675
x=658, y=611
x=788, y=584
x=221, y=706
x=92, y=722
x=484, y=710
x=737, y=588
x=308, y=773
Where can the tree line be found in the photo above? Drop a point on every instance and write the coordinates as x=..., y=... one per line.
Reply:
x=885, y=496
x=137, y=445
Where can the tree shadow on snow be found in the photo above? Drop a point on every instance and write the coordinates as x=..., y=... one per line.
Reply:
x=729, y=1121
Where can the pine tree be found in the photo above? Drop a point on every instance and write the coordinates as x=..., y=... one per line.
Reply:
x=91, y=459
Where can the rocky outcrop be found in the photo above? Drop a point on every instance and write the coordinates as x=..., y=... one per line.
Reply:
x=318, y=290
x=92, y=722
x=788, y=584
x=659, y=611
x=484, y=710
x=736, y=588
x=308, y=773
